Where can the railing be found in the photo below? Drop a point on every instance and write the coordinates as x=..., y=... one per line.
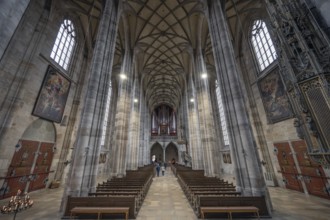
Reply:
x=19, y=182
x=164, y=138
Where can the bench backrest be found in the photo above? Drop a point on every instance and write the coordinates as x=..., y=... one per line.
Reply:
x=111, y=201
x=257, y=201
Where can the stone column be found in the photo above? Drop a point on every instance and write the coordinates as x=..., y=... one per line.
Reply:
x=120, y=147
x=220, y=145
x=134, y=128
x=124, y=104
x=194, y=135
x=109, y=138
x=144, y=151
x=182, y=119
x=86, y=153
x=243, y=148
x=183, y=126
x=206, y=118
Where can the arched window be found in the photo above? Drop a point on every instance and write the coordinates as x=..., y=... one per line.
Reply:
x=106, y=116
x=222, y=115
x=262, y=44
x=64, y=44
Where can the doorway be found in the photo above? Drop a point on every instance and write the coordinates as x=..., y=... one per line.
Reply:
x=171, y=153
x=303, y=170
x=32, y=159
x=157, y=151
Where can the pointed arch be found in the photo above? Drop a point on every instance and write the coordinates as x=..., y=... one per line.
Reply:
x=262, y=44
x=171, y=152
x=157, y=150
x=64, y=44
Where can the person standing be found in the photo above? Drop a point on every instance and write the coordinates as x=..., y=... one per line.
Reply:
x=153, y=158
x=157, y=168
x=163, y=169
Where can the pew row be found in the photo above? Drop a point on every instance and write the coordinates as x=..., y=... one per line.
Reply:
x=112, y=202
x=229, y=210
x=99, y=211
x=212, y=197
x=240, y=203
x=110, y=198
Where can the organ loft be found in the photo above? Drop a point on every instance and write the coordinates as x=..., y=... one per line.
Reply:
x=229, y=98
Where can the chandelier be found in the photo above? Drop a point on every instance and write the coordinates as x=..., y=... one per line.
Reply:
x=17, y=203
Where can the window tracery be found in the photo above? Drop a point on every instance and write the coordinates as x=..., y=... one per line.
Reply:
x=263, y=45
x=64, y=44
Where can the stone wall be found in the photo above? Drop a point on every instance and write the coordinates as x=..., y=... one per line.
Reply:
x=22, y=70
x=324, y=8
x=10, y=15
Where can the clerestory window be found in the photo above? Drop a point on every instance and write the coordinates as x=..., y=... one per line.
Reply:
x=222, y=115
x=64, y=44
x=263, y=45
x=106, y=115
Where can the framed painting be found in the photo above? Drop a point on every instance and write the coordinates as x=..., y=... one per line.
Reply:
x=274, y=98
x=52, y=96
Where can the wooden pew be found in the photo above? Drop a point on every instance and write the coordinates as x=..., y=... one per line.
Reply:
x=118, y=188
x=217, y=198
x=189, y=190
x=195, y=197
x=215, y=188
x=115, y=195
x=229, y=210
x=135, y=183
x=239, y=201
x=99, y=202
x=139, y=197
x=204, y=184
x=99, y=211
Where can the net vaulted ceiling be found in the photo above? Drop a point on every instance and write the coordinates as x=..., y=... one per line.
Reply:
x=163, y=35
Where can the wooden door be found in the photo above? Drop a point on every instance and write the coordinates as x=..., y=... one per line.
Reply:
x=287, y=165
x=30, y=165
x=312, y=173
x=42, y=166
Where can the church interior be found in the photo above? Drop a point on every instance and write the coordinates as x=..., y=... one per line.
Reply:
x=231, y=98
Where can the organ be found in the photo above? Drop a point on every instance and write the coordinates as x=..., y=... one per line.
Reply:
x=163, y=121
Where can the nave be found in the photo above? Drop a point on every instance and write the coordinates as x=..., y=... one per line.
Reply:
x=96, y=88
x=166, y=201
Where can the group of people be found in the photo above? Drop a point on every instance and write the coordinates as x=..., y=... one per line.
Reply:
x=160, y=166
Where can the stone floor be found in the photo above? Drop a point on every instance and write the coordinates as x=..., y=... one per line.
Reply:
x=166, y=201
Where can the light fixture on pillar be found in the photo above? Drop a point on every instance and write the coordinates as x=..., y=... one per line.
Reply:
x=123, y=76
x=136, y=100
x=192, y=100
x=204, y=75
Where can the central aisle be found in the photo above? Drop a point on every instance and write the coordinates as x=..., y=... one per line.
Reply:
x=166, y=201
